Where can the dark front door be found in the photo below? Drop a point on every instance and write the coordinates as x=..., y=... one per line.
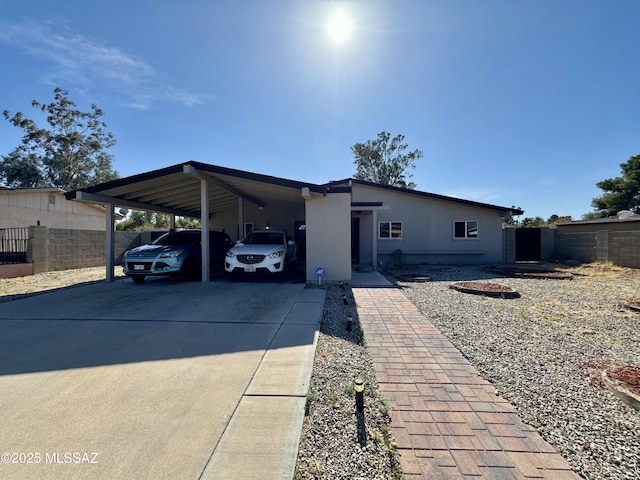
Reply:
x=528, y=245
x=355, y=240
x=300, y=237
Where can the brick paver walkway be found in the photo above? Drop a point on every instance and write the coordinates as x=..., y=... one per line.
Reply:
x=446, y=419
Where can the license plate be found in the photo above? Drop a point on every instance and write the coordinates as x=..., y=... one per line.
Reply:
x=138, y=267
x=249, y=269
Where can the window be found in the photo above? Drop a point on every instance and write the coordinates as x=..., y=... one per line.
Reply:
x=390, y=230
x=466, y=229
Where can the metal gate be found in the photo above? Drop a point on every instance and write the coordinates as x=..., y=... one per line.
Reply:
x=13, y=245
x=528, y=244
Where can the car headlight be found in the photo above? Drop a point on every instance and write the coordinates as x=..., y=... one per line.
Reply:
x=230, y=254
x=171, y=254
x=277, y=254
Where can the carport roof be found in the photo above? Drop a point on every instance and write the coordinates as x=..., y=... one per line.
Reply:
x=176, y=190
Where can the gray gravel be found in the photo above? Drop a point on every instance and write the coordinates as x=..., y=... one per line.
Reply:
x=337, y=442
x=544, y=352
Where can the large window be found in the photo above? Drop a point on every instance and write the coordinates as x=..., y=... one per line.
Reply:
x=465, y=229
x=390, y=230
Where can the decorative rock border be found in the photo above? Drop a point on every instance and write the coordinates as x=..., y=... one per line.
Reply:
x=633, y=304
x=413, y=277
x=487, y=289
x=619, y=390
x=535, y=273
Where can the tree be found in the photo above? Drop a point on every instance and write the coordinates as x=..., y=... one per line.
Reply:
x=70, y=155
x=141, y=220
x=383, y=161
x=621, y=193
x=532, y=222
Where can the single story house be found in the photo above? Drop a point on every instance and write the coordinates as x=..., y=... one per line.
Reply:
x=337, y=224
x=22, y=207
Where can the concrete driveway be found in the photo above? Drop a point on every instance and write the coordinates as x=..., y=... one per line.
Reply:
x=161, y=380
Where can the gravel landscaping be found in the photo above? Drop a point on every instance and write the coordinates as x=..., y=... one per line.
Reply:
x=545, y=353
x=337, y=442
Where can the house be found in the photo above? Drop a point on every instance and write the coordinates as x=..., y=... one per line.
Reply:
x=339, y=223
x=22, y=207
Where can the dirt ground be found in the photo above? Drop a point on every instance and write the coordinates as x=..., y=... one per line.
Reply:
x=50, y=280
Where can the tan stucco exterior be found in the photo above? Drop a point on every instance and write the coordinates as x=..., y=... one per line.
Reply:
x=47, y=207
x=328, y=218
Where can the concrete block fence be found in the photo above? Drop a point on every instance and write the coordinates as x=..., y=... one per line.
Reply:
x=52, y=249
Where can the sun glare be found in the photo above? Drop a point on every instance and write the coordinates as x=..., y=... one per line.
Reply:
x=340, y=27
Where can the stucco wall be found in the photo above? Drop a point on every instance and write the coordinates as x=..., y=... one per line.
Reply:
x=329, y=236
x=427, y=228
x=21, y=208
x=278, y=216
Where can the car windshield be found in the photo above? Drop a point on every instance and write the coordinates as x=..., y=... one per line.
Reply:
x=263, y=238
x=177, y=238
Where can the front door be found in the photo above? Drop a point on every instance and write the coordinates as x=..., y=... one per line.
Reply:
x=355, y=240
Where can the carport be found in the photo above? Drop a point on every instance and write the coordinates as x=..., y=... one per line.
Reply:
x=220, y=197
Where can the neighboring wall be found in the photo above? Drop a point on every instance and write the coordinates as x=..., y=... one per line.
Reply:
x=621, y=248
x=52, y=249
x=23, y=207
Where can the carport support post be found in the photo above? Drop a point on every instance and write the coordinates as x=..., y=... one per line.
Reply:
x=204, y=226
x=110, y=242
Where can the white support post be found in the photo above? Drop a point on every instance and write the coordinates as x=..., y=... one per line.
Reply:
x=110, y=242
x=374, y=260
x=204, y=226
x=240, y=218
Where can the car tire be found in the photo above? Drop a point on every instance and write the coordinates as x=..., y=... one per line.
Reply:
x=190, y=270
x=138, y=279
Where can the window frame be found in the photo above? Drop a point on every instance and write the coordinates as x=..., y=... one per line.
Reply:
x=466, y=230
x=390, y=229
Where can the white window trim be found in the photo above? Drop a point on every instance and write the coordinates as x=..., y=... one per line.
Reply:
x=465, y=238
x=390, y=237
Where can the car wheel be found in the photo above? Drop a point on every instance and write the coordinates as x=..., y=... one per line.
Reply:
x=138, y=279
x=190, y=270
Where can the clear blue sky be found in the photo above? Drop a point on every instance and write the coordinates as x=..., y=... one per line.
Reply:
x=525, y=103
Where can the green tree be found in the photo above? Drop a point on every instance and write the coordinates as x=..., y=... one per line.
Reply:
x=71, y=154
x=532, y=222
x=595, y=215
x=383, y=161
x=139, y=220
x=553, y=219
x=185, y=222
x=621, y=193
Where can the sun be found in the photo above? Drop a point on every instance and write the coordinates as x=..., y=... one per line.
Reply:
x=340, y=27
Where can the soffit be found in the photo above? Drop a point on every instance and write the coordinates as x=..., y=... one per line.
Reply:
x=176, y=189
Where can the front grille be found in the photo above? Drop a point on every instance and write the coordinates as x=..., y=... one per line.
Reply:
x=250, y=259
x=131, y=266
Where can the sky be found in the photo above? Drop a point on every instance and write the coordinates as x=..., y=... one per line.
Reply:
x=527, y=103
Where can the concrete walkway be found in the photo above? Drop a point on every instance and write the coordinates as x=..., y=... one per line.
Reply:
x=162, y=380
x=446, y=419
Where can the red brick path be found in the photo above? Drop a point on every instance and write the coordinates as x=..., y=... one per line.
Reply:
x=446, y=419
